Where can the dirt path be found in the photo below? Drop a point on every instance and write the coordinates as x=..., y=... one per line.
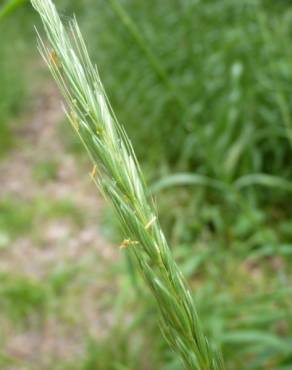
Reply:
x=60, y=242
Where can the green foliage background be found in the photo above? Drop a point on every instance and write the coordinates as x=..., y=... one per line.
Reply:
x=203, y=88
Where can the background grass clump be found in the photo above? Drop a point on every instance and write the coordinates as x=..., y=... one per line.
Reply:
x=203, y=88
x=17, y=62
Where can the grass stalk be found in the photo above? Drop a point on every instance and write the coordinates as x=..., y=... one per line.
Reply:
x=117, y=174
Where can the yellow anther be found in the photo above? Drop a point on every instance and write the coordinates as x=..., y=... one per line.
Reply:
x=127, y=242
x=54, y=59
x=150, y=223
x=93, y=172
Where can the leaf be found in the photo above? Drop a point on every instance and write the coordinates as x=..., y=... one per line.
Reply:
x=256, y=337
x=10, y=6
x=186, y=179
x=265, y=180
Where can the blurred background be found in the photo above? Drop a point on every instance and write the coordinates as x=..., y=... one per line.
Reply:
x=204, y=91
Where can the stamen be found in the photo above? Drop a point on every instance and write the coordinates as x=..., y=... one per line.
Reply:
x=127, y=242
x=54, y=59
x=93, y=172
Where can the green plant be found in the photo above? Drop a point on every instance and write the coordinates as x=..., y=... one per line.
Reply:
x=10, y=6
x=17, y=64
x=20, y=296
x=118, y=176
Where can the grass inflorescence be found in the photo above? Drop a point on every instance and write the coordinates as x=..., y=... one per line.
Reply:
x=118, y=176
